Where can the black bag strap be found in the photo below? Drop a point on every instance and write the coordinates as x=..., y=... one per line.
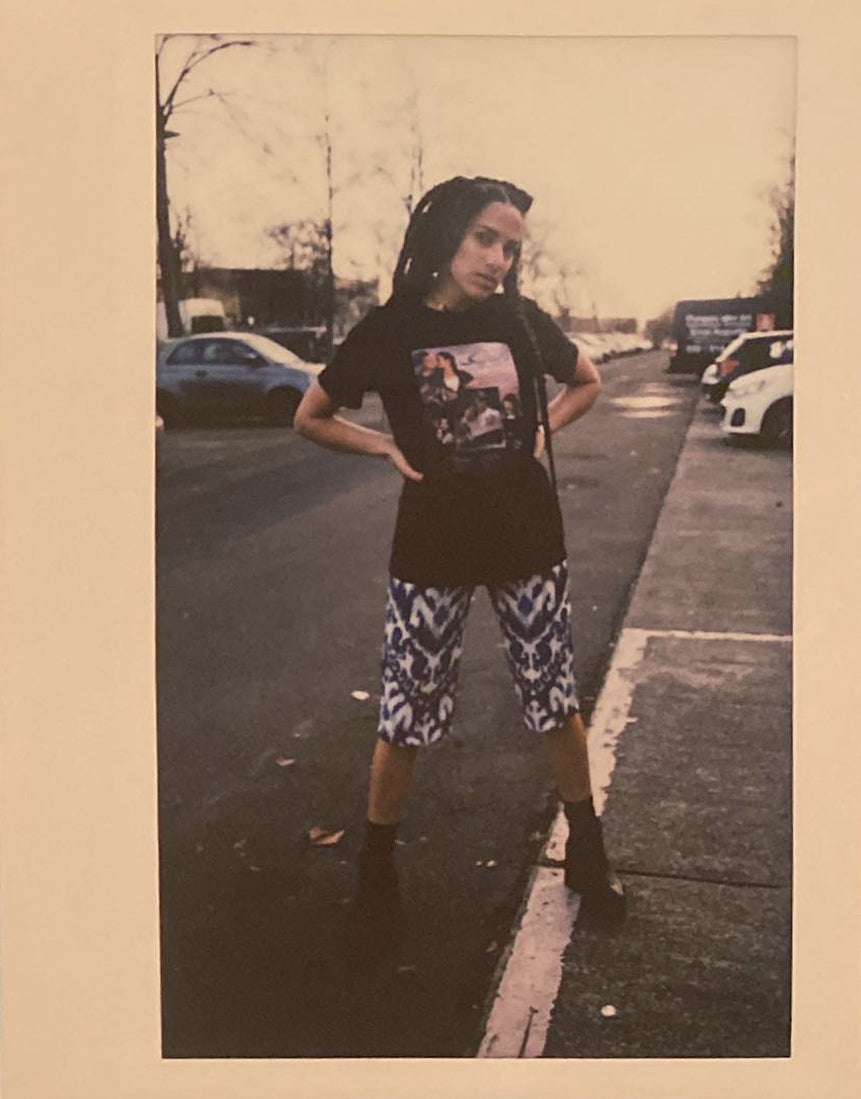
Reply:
x=540, y=384
x=541, y=393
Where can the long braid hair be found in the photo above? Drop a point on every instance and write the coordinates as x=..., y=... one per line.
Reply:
x=434, y=233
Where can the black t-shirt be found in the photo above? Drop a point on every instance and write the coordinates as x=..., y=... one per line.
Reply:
x=459, y=394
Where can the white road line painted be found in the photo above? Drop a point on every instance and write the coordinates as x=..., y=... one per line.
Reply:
x=645, y=402
x=520, y=1015
x=519, y=1018
x=611, y=712
x=705, y=635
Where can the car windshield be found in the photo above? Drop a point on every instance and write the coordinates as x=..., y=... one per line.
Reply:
x=731, y=348
x=271, y=349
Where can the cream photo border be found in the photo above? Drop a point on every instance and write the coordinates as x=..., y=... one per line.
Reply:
x=79, y=919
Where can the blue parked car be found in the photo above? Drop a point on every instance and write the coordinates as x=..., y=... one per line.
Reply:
x=230, y=375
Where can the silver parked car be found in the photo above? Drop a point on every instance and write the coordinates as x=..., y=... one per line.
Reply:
x=230, y=375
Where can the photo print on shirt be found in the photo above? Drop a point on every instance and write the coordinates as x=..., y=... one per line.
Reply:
x=471, y=396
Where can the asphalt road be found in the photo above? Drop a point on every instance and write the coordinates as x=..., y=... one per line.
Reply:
x=272, y=562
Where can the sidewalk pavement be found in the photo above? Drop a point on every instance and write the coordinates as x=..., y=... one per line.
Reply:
x=691, y=750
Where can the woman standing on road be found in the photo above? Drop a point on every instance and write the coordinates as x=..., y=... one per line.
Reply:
x=468, y=515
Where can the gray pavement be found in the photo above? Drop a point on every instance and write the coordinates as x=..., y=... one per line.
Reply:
x=693, y=751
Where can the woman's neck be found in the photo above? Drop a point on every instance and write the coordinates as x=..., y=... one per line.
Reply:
x=445, y=298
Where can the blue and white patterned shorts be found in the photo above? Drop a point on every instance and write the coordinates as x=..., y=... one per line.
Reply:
x=424, y=640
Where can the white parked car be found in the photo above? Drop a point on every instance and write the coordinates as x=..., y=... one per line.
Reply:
x=761, y=404
x=711, y=375
x=591, y=345
x=603, y=344
x=747, y=353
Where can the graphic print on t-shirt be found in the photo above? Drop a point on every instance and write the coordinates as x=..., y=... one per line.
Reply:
x=471, y=396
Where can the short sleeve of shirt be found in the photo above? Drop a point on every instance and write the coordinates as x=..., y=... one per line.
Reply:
x=558, y=352
x=354, y=369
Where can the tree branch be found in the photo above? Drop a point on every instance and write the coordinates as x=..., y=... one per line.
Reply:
x=193, y=99
x=195, y=58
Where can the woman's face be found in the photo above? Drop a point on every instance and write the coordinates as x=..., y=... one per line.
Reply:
x=489, y=248
x=429, y=362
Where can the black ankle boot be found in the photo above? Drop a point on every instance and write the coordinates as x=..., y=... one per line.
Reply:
x=377, y=912
x=587, y=870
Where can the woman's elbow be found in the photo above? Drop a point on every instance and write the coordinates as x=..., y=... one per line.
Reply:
x=594, y=391
x=301, y=420
x=306, y=414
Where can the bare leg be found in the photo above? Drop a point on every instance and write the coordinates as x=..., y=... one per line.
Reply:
x=391, y=778
x=569, y=758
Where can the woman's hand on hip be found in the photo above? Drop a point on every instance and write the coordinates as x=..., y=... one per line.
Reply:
x=315, y=419
x=538, y=451
x=396, y=457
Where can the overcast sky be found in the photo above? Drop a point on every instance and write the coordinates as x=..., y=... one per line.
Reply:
x=650, y=159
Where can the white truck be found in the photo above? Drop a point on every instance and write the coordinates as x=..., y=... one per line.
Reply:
x=196, y=314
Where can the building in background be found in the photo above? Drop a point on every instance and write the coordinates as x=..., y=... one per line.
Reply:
x=263, y=298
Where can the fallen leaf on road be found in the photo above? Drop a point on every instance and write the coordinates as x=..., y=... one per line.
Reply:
x=303, y=728
x=492, y=949
x=632, y=721
x=608, y=1011
x=479, y=863
x=361, y=696
x=240, y=845
x=400, y=843
x=283, y=762
x=319, y=837
x=491, y=864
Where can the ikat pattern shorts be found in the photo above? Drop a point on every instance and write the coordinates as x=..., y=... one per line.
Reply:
x=423, y=644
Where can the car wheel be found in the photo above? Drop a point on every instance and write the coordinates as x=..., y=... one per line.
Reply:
x=777, y=424
x=281, y=407
x=167, y=407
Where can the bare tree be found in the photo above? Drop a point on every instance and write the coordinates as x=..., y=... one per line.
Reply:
x=416, y=150
x=660, y=328
x=329, y=280
x=205, y=47
x=546, y=274
x=399, y=165
x=305, y=243
x=778, y=278
x=182, y=239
